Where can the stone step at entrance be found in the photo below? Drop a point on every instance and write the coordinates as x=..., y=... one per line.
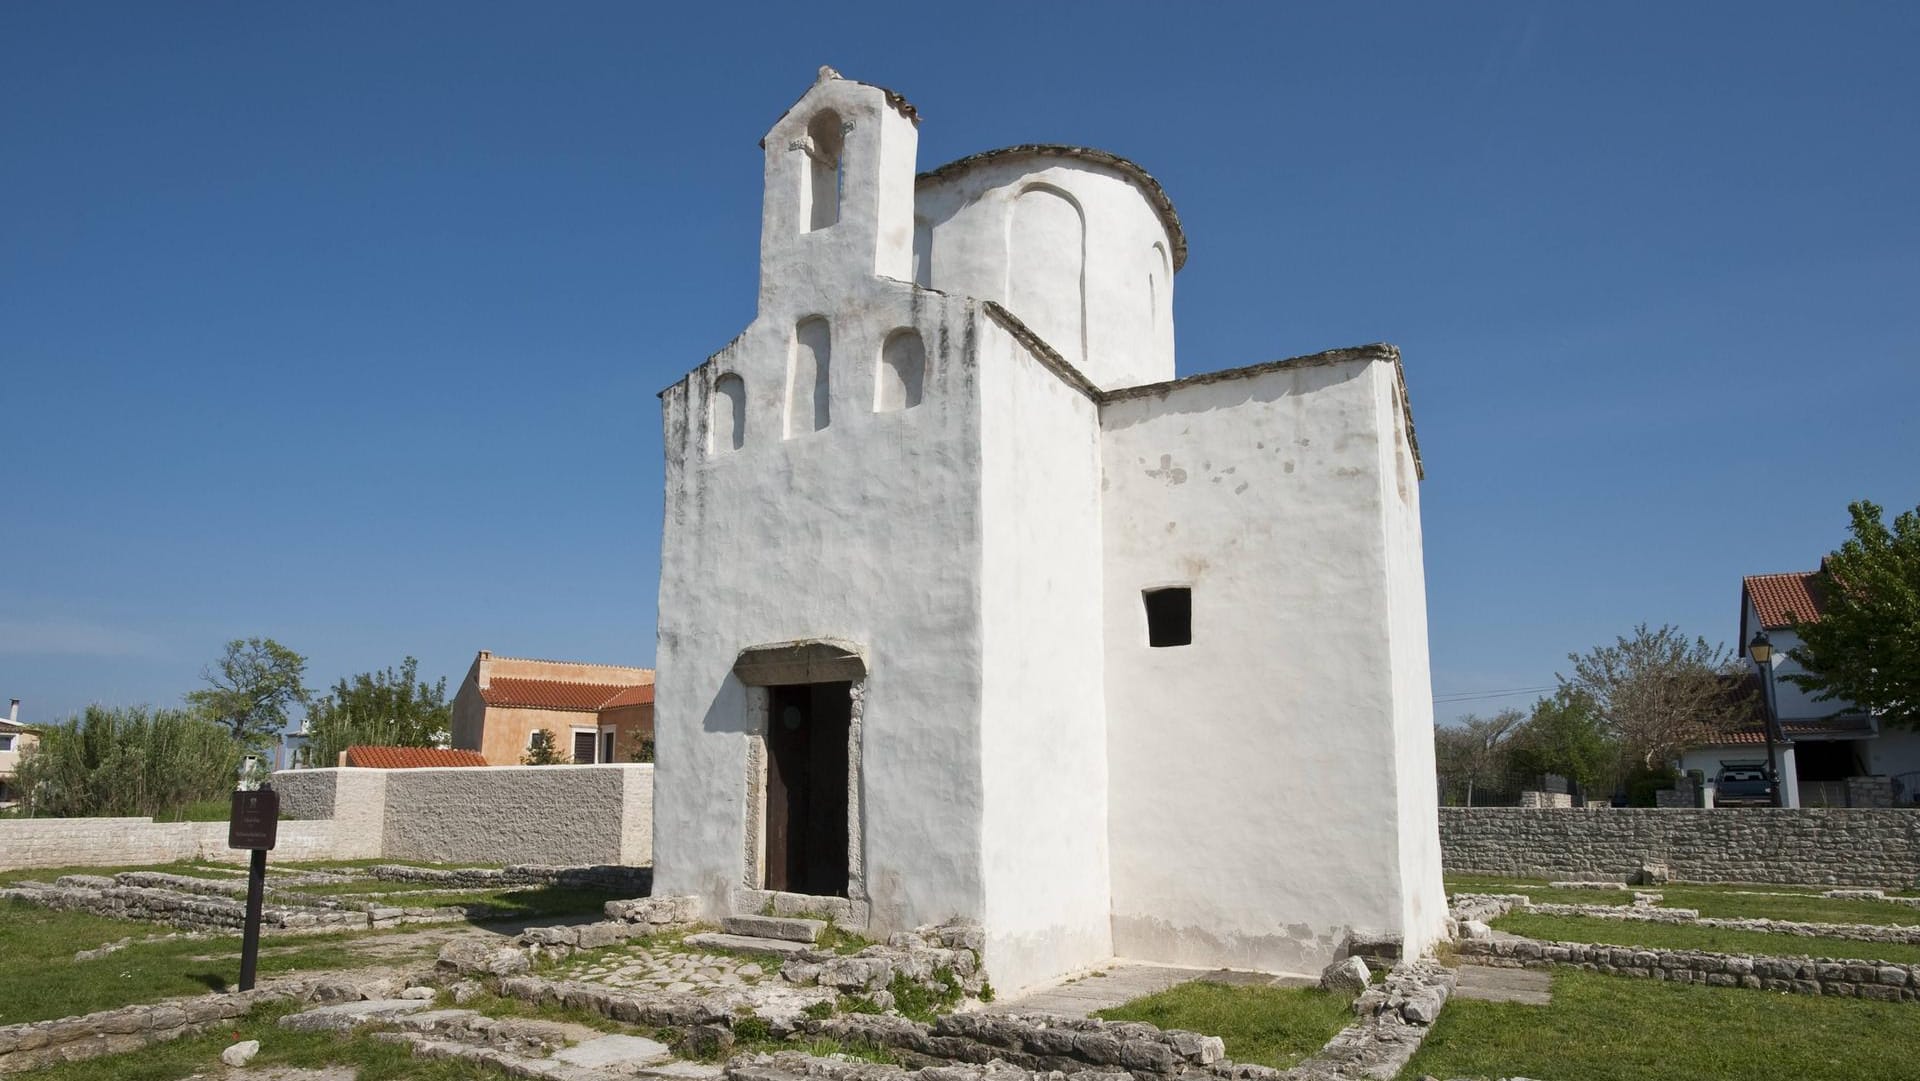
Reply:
x=1488, y=984
x=769, y=947
x=790, y=928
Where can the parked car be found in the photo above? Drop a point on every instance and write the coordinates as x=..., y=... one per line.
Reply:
x=1743, y=786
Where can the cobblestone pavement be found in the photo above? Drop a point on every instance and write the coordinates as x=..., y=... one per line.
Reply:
x=666, y=966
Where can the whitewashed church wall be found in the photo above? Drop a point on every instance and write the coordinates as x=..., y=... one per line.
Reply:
x=1252, y=809
x=867, y=531
x=1070, y=247
x=1422, y=895
x=1043, y=722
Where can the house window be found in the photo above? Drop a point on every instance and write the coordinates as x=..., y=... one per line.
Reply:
x=606, y=744
x=6, y=742
x=584, y=740
x=1169, y=616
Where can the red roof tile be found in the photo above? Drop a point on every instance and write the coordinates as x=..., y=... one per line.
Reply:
x=633, y=696
x=558, y=694
x=411, y=757
x=1782, y=598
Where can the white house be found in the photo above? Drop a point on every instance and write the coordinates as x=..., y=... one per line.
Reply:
x=1830, y=753
x=969, y=607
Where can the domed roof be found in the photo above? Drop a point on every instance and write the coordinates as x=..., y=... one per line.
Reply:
x=1141, y=179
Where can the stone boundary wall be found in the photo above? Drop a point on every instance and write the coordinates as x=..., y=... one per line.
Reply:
x=28, y=843
x=1806, y=846
x=1882, y=980
x=580, y=815
x=486, y=814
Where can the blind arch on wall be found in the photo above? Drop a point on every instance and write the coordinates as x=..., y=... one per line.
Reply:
x=1046, y=268
x=809, y=377
x=728, y=422
x=900, y=377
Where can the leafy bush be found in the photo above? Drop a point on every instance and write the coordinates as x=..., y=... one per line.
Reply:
x=128, y=761
x=387, y=709
x=543, y=750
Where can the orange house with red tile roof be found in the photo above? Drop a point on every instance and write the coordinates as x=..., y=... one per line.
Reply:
x=596, y=712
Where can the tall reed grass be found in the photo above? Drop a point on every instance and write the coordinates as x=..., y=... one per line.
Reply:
x=127, y=761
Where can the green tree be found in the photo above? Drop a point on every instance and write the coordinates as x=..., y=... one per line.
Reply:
x=251, y=689
x=542, y=751
x=1655, y=692
x=127, y=761
x=1565, y=736
x=1473, y=752
x=387, y=708
x=1864, y=648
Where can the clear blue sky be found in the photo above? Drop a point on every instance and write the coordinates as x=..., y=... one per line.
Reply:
x=342, y=323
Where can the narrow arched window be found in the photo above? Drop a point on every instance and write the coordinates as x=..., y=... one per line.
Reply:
x=808, y=407
x=820, y=193
x=902, y=373
x=728, y=421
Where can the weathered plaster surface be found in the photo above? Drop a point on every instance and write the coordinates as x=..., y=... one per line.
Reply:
x=1042, y=702
x=1022, y=757
x=865, y=532
x=1256, y=817
x=1099, y=289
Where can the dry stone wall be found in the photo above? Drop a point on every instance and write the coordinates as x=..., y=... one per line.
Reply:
x=1882, y=980
x=1815, y=846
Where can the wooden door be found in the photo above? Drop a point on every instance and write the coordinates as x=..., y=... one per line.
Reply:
x=806, y=813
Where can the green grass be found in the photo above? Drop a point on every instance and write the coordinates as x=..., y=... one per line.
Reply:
x=189, y=868
x=361, y=865
x=37, y=947
x=374, y=1060
x=1668, y=936
x=1605, y=1028
x=1722, y=901
x=1266, y=1025
x=1728, y=905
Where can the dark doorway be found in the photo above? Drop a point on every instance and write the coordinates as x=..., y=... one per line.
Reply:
x=806, y=823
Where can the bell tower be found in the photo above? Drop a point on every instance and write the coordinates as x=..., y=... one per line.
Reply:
x=838, y=205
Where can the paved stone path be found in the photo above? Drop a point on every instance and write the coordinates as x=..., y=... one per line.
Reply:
x=663, y=967
x=1485, y=983
x=1124, y=981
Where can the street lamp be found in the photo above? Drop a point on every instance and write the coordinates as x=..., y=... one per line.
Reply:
x=1761, y=650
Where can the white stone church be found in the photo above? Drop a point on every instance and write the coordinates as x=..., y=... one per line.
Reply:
x=970, y=607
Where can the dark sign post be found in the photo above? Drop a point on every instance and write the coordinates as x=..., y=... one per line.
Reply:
x=254, y=824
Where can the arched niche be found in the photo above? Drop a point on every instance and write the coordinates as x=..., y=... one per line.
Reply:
x=1046, y=268
x=900, y=377
x=820, y=192
x=809, y=377
x=728, y=418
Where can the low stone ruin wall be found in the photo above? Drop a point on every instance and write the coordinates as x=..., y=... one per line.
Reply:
x=34, y=1044
x=203, y=904
x=1809, y=846
x=1793, y=975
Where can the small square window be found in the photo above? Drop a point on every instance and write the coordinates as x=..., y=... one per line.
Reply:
x=1169, y=616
